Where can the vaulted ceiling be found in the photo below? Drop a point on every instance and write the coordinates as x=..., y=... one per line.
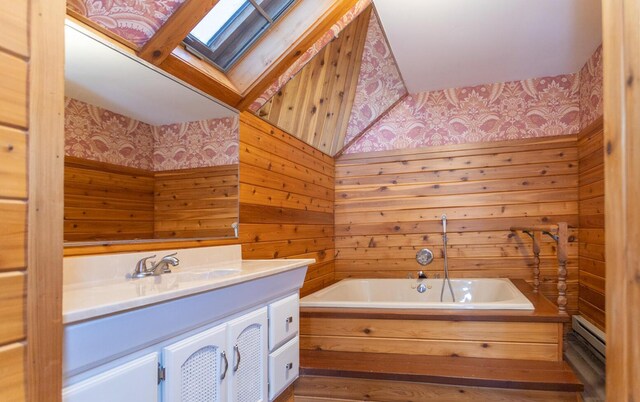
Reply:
x=326, y=72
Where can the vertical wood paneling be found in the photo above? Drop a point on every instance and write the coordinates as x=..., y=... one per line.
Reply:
x=592, y=234
x=292, y=216
x=389, y=205
x=316, y=104
x=46, y=201
x=621, y=59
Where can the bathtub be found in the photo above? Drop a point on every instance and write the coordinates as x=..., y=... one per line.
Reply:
x=481, y=294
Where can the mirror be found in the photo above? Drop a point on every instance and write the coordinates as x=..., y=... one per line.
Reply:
x=147, y=157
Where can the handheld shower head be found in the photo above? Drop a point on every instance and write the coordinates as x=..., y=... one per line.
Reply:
x=444, y=223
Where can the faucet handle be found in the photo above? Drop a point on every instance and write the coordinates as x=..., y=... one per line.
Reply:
x=141, y=267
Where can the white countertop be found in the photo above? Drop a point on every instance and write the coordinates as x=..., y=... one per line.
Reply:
x=92, y=299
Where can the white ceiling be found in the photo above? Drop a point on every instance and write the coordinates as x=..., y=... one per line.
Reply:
x=441, y=44
x=100, y=75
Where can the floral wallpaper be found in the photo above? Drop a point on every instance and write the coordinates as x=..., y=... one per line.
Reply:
x=98, y=134
x=196, y=144
x=133, y=20
x=379, y=84
x=520, y=109
x=309, y=54
x=591, y=89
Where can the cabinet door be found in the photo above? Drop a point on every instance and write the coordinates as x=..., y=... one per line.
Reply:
x=196, y=368
x=136, y=380
x=247, y=337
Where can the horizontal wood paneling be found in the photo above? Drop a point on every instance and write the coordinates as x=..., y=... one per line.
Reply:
x=14, y=231
x=196, y=202
x=592, y=233
x=12, y=372
x=389, y=205
x=13, y=26
x=286, y=200
x=13, y=90
x=12, y=303
x=106, y=202
x=13, y=170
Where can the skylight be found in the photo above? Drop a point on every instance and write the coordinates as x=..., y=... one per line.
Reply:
x=231, y=27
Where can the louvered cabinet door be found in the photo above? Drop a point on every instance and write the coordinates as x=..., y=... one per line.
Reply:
x=197, y=367
x=248, y=349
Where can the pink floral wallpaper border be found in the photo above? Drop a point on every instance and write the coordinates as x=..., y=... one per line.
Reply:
x=309, y=54
x=380, y=84
x=133, y=20
x=98, y=134
x=591, y=95
x=196, y=144
x=520, y=109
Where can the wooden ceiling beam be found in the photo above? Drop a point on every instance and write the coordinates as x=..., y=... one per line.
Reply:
x=174, y=30
x=194, y=75
x=339, y=9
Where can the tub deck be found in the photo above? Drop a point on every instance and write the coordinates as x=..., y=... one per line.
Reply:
x=489, y=348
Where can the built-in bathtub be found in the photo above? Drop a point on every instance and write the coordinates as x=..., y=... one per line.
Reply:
x=491, y=318
x=480, y=294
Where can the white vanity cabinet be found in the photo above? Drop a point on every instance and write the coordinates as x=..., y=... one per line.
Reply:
x=136, y=380
x=195, y=368
x=183, y=337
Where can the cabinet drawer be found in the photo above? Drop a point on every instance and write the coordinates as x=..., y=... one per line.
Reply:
x=284, y=317
x=133, y=381
x=284, y=366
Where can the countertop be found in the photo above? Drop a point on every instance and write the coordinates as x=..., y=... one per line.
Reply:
x=84, y=301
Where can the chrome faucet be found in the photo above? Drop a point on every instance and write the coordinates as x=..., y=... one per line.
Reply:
x=157, y=268
x=421, y=288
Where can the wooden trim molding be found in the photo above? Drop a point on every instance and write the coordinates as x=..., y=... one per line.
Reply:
x=621, y=57
x=44, y=239
x=172, y=32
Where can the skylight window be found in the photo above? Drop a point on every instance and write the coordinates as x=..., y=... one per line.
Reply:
x=231, y=27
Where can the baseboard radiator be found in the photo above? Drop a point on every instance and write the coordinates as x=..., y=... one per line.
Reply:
x=593, y=335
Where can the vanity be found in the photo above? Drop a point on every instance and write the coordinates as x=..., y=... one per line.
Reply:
x=217, y=328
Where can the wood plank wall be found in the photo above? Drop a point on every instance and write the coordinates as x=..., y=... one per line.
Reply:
x=200, y=202
x=103, y=201
x=592, y=246
x=14, y=56
x=316, y=104
x=286, y=200
x=389, y=205
x=30, y=138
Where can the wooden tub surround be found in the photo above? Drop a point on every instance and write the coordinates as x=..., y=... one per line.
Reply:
x=516, y=349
